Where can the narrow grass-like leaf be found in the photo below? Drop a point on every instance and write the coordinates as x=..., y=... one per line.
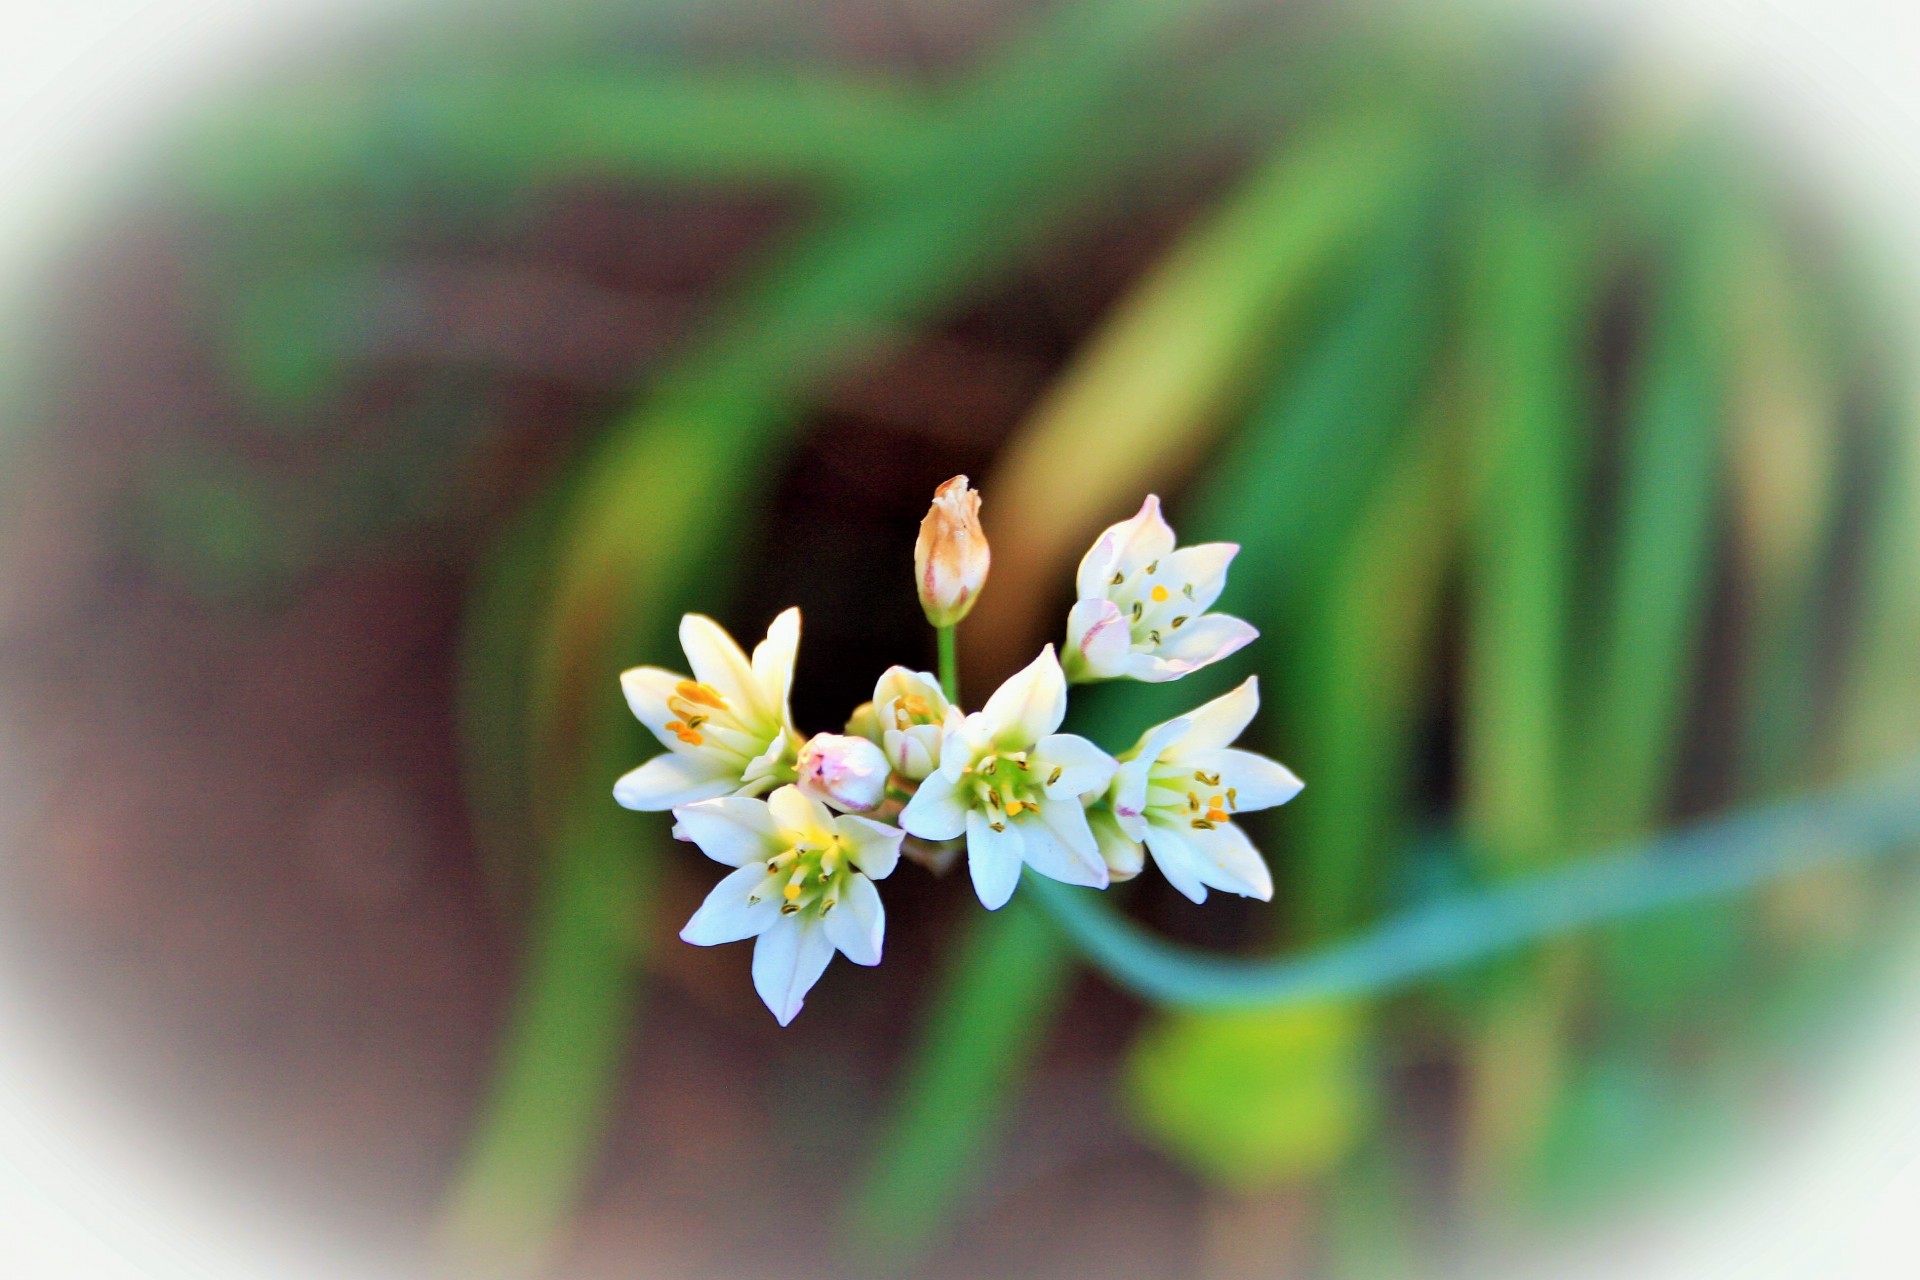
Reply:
x=1005, y=979
x=513, y=130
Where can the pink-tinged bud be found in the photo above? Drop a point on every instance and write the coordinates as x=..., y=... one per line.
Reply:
x=848, y=773
x=950, y=559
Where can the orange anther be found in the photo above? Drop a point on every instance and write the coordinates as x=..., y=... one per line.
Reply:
x=694, y=691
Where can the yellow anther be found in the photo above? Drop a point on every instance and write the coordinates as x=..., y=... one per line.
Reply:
x=685, y=732
x=1216, y=802
x=791, y=892
x=1193, y=802
x=915, y=706
x=1159, y=594
x=1216, y=814
x=1014, y=807
x=705, y=694
x=1233, y=798
x=1055, y=775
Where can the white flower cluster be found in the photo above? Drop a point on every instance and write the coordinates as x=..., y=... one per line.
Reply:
x=1001, y=782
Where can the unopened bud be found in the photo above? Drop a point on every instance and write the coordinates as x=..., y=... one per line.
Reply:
x=848, y=773
x=950, y=559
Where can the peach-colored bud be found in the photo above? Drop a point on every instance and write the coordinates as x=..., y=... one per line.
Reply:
x=950, y=559
x=848, y=773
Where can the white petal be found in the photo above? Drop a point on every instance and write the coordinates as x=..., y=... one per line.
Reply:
x=647, y=690
x=1227, y=860
x=728, y=914
x=1200, y=643
x=913, y=753
x=874, y=847
x=1123, y=855
x=963, y=740
x=1177, y=859
x=904, y=682
x=857, y=924
x=1029, y=706
x=1094, y=578
x=732, y=830
x=719, y=664
x=1154, y=742
x=773, y=662
x=1216, y=724
x=1128, y=546
x=765, y=769
x=1256, y=782
x=993, y=860
x=1204, y=568
x=1060, y=845
x=800, y=815
x=1098, y=639
x=675, y=779
x=1128, y=797
x=789, y=958
x=1084, y=768
x=937, y=811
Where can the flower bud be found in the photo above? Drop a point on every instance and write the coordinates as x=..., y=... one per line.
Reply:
x=950, y=559
x=848, y=773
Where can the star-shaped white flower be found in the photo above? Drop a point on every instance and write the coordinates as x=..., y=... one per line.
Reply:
x=1142, y=608
x=1015, y=788
x=727, y=730
x=803, y=887
x=1178, y=791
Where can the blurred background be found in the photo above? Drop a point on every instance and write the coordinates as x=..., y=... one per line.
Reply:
x=379, y=388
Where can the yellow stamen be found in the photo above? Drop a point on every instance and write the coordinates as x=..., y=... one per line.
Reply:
x=791, y=892
x=706, y=694
x=1014, y=807
x=1216, y=814
x=1159, y=593
x=686, y=733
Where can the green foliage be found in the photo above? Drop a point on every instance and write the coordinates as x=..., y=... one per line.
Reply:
x=1254, y=1099
x=1369, y=358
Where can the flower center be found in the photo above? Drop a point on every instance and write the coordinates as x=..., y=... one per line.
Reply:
x=809, y=876
x=1153, y=608
x=1007, y=784
x=702, y=713
x=1204, y=802
x=910, y=710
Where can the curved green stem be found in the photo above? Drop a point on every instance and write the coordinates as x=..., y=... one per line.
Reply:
x=1715, y=859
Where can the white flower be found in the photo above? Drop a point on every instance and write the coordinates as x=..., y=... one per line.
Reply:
x=803, y=887
x=1179, y=790
x=848, y=773
x=909, y=715
x=727, y=730
x=1142, y=608
x=1014, y=788
x=951, y=557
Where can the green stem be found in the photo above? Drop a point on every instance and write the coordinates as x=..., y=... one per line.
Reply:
x=1716, y=859
x=949, y=664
